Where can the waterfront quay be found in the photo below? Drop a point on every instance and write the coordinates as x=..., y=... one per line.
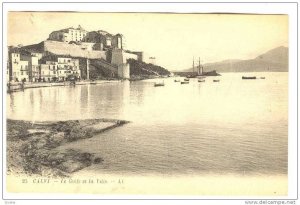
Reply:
x=20, y=86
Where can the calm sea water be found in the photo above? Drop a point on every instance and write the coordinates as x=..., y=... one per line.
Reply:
x=233, y=126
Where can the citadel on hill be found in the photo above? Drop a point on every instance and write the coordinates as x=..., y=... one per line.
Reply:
x=76, y=53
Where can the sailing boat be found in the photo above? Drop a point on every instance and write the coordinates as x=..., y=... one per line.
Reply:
x=200, y=69
x=193, y=75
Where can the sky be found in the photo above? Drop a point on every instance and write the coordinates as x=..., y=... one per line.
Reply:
x=173, y=39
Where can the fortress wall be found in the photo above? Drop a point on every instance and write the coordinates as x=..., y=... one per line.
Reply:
x=130, y=55
x=61, y=48
x=120, y=57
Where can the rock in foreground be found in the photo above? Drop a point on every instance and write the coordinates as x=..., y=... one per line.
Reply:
x=30, y=146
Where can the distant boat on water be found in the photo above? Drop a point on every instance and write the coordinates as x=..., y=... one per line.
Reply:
x=191, y=76
x=159, y=84
x=262, y=78
x=249, y=77
x=185, y=82
x=176, y=81
x=200, y=81
x=186, y=79
x=216, y=81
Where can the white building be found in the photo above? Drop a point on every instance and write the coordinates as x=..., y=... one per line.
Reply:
x=68, y=34
x=33, y=65
x=19, y=68
x=68, y=67
x=47, y=73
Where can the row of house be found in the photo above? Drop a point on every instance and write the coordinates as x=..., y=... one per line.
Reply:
x=32, y=67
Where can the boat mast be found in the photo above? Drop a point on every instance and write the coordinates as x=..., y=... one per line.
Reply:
x=193, y=65
x=199, y=70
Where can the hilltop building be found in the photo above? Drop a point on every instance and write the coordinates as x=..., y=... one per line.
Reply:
x=68, y=34
x=104, y=40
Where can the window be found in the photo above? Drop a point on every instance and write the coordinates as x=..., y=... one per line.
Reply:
x=21, y=72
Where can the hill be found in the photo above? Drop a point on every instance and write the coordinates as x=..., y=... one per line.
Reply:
x=275, y=60
x=146, y=69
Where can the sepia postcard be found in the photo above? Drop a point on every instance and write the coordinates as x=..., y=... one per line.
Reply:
x=141, y=104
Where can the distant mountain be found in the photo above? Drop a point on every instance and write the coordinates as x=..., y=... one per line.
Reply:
x=274, y=60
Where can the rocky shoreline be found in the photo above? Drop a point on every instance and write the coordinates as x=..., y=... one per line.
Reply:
x=31, y=145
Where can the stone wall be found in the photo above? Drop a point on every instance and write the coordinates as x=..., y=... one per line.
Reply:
x=62, y=48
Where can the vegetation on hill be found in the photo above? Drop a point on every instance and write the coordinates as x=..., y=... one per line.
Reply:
x=144, y=69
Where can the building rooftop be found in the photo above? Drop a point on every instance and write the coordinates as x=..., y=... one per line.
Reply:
x=66, y=30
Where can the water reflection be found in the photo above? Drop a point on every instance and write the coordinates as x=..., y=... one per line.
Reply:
x=233, y=126
x=229, y=101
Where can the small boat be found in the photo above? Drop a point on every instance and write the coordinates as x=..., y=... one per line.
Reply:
x=216, y=80
x=262, y=78
x=58, y=84
x=176, y=81
x=249, y=78
x=201, y=81
x=82, y=82
x=186, y=79
x=159, y=84
x=185, y=82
